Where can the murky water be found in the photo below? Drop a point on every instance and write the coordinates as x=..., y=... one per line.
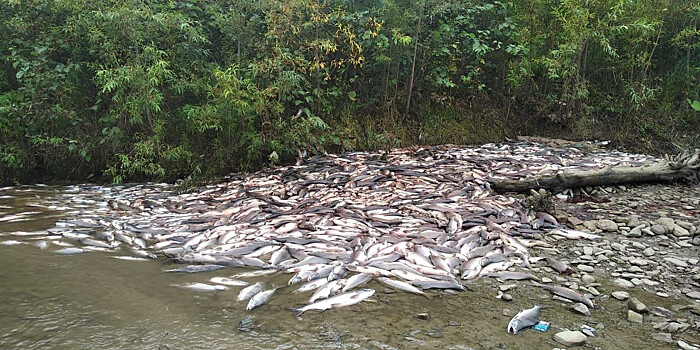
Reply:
x=89, y=301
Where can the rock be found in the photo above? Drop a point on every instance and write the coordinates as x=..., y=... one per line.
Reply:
x=582, y=309
x=679, y=231
x=663, y=337
x=585, y=268
x=620, y=295
x=696, y=240
x=633, y=221
x=662, y=294
x=676, y=261
x=634, y=317
x=587, y=250
x=570, y=338
x=422, y=316
x=693, y=295
x=607, y=225
x=668, y=223
x=636, y=232
x=639, y=262
x=574, y=220
x=617, y=246
x=623, y=283
x=649, y=282
x=649, y=251
x=546, y=280
x=506, y=287
x=637, y=306
x=506, y=297
x=658, y=230
x=587, y=279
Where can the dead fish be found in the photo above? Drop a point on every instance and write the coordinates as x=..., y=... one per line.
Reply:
x=129, y=258
x=203, y=287
x=356, y=280
x=442, y=284
x=312, y=285
x=248, y=292
x=559, y=266
x=195, y=268
x=400, y=285
x=280, y=255
x=525, y=318
x=259, y=299
x=253, y=273
x=574, y=234
x=70, y=250
x=341, y=300
x=566, y=293
x=228, y=281
x=547, y=218
x=512, y=275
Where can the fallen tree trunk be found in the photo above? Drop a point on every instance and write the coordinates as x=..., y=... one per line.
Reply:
x=685, y=166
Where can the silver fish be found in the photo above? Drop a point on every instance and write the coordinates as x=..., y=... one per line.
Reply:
x=228, y=281
x=248, y=292
x=400, y=285
x=259, y=299
x=525, y=318
x=70, y=250
x=341, y=300
x=356, y=280
x=203, y=287
x=195, y=268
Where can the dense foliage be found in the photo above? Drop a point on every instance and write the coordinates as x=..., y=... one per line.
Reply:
x=142, y=89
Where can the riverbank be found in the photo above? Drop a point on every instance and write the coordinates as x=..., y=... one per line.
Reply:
x=623, y=257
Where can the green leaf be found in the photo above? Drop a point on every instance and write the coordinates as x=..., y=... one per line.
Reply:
x=19, y=74
x=695, y=105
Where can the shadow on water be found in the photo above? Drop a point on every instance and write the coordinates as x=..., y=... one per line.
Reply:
x=91, y=301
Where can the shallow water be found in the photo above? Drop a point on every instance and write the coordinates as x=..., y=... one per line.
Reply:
x=89, y=301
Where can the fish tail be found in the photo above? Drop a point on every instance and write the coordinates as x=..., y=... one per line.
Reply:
x=296, y=311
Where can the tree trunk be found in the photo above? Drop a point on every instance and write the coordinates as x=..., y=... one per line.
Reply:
x=682, y=167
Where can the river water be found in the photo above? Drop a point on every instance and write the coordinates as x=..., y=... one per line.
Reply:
x=90, y=301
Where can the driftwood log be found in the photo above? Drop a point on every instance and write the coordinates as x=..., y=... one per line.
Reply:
x=685, y=166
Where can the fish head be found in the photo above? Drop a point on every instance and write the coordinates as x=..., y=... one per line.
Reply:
x=515, y=326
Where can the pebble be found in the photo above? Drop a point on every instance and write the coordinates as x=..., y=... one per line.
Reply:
x=634, y=317
x=422, y=316
x=639, y=262
x=587, y=279
x=649, y=282
x=676, y=261
x=636, y=232
x=663, y=337
x=662, y=294
x=620, y=295
x=570, y=338
x=617, y=246
x=634, y=221
x=667, y=223
x=637, y=306
x=546, y=280
x=506, y=297
x=582, y=309
x=623, y=283
x=607, y=225
x=658, y=230
x=693, y=295
x=679, y=231
x=585, y=268
x=649, y=251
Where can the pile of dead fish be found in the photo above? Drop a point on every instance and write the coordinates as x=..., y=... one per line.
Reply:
x=412, y=219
